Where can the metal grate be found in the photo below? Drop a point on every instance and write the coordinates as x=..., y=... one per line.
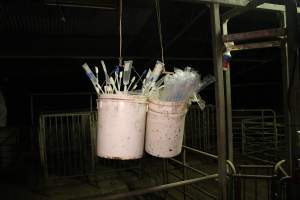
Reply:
x=200, y=129
x=66, y=144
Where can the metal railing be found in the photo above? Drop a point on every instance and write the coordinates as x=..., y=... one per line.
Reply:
x=66, y=143
x=200, y=128
x=67, y=147
x=260, y=137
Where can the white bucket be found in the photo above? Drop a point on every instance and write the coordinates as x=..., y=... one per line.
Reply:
x=121, y=126
x=165, y=128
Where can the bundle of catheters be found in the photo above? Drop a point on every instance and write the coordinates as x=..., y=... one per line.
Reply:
x=182, y=85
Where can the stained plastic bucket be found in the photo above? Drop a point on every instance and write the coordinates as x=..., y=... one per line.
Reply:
x=121, y=126
x=165, y=128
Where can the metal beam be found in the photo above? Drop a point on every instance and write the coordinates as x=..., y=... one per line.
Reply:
x=231, y=3
x=104, y=5
x=293, y=92
x=267, y=33
x=257, y=45
x=241, y=3
x=285, y=88
x=228, y=104
x=220, y=98
x=274, y=7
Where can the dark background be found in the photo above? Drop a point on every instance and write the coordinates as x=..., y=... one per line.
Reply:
x=43, y=47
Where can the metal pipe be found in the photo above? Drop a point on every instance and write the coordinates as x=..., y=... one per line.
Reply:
x=228, y=104
x=267, y=33
x=256, y=45
x=255, y=166
x=148, y=190
x=278, y=166
x=231, y=165
x=294, y=71
x=210, y=156
x=201, y=152
x=74, y=5
x=220, y=98
x=252, y=176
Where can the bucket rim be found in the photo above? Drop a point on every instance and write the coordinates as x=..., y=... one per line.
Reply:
x=183, y=112
x=122, y=97
x=166, y=103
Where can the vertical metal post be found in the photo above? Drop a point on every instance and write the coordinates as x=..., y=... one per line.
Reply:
x=220, y=98
x=293, y=93
x=228, y=104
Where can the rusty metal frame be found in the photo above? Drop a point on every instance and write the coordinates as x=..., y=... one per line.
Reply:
x=260, y=34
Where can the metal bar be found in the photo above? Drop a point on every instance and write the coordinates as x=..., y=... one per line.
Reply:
x=274, y=7
x=148, y=190
x=256, y=45
x=57, y=149
x=69, y=145
x=253, y=176
x=75, y=145
x=293, y=95
x=255, y=187
x=63, y=146
x=201, y=152
x=255, y=166
x=220, y=98
x=42, y=145
x=267, y=33
x=228, y=105
x=242, y=3
x=93, y=142
x=79, y=5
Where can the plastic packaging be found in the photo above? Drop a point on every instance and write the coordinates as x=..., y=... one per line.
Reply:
x=105, y=72
x=127, y=72
x=206, y=82
x=180, y=86
x=92, y=78
x=157, y=71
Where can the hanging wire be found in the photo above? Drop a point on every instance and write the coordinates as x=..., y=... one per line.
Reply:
x=120, y=32
x=157, y=7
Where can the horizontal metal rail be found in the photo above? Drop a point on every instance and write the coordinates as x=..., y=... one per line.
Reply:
x=256, y=45
x=255, y=166
x=147, y=190
x=211, y=156
x=267, y=33
x=201, y=152
x=252, y=176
